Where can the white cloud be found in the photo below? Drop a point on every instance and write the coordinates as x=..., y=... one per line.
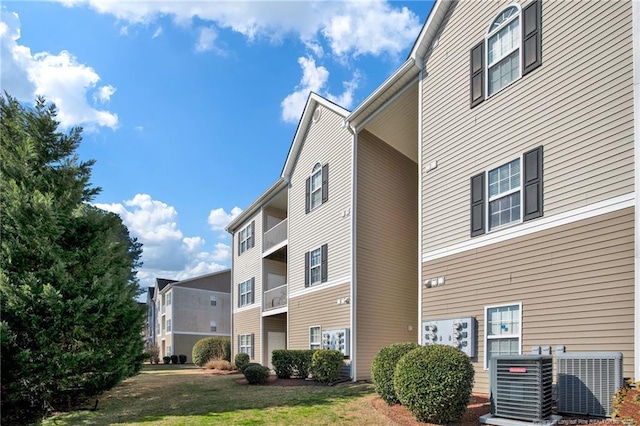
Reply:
x=314, y=79
x=60, y=78
x=167, y=253
x=104, y=93
x=206, y=40
x=157, y=33
x=219, y=218
x=350, y=27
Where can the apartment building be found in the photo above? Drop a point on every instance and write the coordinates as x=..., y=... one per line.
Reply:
x=528, y=125
x=191, y=309
x=150, y=325
x=327, y=256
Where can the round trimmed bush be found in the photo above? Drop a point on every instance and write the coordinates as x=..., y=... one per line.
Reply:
x=434, y=383
x=256, y=374
x=250, y=364
x=211, y=348
x=166, y=359
x=383, y=369
x=182, y=359
x=326, y=364
x=241, y=359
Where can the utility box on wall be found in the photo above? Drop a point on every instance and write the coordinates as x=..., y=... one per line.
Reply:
x=337, y=340
x=457, y=332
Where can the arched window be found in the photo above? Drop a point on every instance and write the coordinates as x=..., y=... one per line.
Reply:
x=503, y=50
x=316, y=186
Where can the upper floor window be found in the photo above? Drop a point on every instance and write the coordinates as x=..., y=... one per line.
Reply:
x=507, y=194
x=246, y=238
x=214, y=301
x=317, y=187
x=503, y=50
x=246, y=293
x=168, y=298
x=315, y=265
x=511, y=49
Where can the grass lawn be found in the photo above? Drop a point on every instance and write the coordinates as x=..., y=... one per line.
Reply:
x=183, y=395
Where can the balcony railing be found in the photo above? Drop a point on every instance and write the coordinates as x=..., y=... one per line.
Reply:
x=274, y=236
x=275, y=298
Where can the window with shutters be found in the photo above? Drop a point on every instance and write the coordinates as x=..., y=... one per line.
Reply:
x=315, y=265
x=317, y=187
x=511, y=49
x=508, y=194
x=246, y=238
x=245, y=344
x=246, y=293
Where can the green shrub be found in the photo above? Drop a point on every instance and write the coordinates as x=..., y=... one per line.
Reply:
x=383, y=368
x=241, y=360
x=250, y=364
x=287, y=363
x=326, y=365
x=211, y=348
x=166, y=359
x=256, y=374
x=281, y=359
x=182, y=359
x=174, y=359
x=434, y=383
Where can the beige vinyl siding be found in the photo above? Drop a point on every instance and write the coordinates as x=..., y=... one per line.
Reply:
x=575, y=282
x=387, y=250
x=578, y=105
x=247, y=322
x=325, y=142
x=249, y=264
x=318, y=308
x=192, y=311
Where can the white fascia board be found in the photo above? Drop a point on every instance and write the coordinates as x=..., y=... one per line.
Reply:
x=266, y=196
x=429, y=30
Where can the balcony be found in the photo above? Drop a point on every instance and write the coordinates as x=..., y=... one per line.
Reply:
x=275, y=298
x=274, y=236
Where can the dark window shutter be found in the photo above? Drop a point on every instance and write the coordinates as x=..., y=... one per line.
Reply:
x=307, y=197
x=253, y=233
x=239, y=296
x=325, y=183
x=477, y=205
x=306, y=269
x=531, y=37
x=253, y=290
x=253, y=344
x=323, y=265
x=238, y=348
x=477, y=74
x=532, y=184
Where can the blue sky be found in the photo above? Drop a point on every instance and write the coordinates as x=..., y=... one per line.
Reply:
x=189, y=108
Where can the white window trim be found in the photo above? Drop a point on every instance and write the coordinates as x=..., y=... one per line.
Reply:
x=319, y=344
x=245, y=236
x=505, y=336
x=245, y=293
x=487, y=213
x=168, y=298
x=317, y=169
x=246, y=348
x=212, y=324
x=311, y=267
x=491, y=33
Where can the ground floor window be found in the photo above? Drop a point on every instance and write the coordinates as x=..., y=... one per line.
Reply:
x=245, y=344
x=502, y=331
x=315, y=338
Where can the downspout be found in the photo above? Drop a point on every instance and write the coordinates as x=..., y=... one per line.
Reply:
x=354, y=273
x=231, y=331
x=420, y=209
x=636, y=122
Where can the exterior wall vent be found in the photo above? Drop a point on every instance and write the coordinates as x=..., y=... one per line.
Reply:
x=521, y=387
x=587, y=381
x=316, y=115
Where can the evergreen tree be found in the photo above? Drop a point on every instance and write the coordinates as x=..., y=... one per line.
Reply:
x=70, y=325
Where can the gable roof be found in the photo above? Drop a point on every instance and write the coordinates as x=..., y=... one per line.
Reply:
x=307, y=115
x=163, y=282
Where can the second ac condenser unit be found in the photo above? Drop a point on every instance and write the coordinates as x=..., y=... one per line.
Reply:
x=521, y=387
x=587, y=381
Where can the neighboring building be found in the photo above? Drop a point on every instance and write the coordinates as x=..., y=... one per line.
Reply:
x=528, y=128
x=150, y=326
x=190, y=310
x=341, y=205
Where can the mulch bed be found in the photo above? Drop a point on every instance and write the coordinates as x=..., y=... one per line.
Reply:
x=478, y=406
x=275, y=381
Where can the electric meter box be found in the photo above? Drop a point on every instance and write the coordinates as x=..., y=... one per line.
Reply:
x=337, y=340
x=457, y=332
